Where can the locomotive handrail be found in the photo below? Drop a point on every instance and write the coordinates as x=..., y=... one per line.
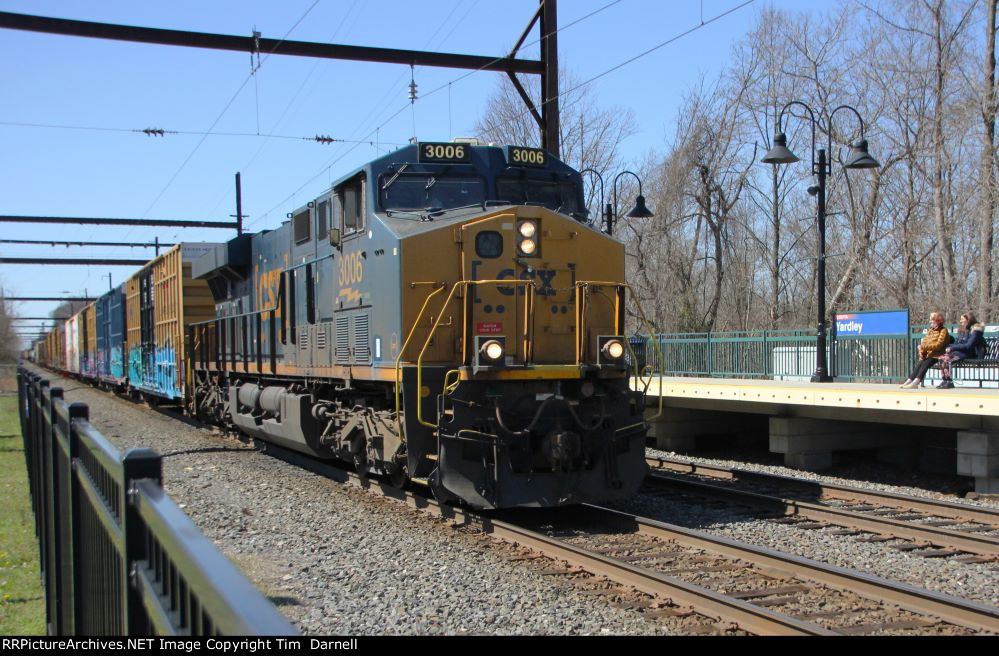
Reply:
x=581, y=316
x=529, y=284
x=398, y=360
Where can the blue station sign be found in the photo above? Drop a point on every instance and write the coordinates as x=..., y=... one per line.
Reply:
x=863, y=324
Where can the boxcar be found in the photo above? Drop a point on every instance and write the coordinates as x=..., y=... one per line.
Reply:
x=110, y=317
x=161, y=300
x=71, y=344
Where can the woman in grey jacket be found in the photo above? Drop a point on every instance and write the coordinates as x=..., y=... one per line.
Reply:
x=969, y=344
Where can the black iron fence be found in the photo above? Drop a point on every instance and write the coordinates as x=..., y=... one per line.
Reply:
x=118, y=556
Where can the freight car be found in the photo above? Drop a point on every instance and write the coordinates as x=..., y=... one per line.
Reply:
x=132, y=338
x=443, y=315
x=160, y=301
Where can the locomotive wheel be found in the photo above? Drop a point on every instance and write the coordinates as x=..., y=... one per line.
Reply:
x=398, y=477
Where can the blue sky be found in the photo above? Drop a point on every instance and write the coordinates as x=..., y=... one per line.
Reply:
x=69, y=81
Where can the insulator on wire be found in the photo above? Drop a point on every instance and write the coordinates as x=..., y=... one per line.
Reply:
x=154, y=132
x=412, y=86
x=324, y=139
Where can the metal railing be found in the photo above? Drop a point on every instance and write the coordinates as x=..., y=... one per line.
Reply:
x=118, y=557
x=788, y=355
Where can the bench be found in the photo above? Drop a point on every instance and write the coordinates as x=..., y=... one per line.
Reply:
x=981, y=370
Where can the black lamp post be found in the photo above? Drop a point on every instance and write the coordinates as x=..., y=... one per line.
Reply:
x=640, y=211
x=858, y=158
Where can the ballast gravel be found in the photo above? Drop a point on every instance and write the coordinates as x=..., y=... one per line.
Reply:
x=339, y=560
x=977, y=582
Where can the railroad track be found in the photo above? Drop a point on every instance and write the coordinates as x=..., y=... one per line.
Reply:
x=927, y=527
x=708, y=584
x=695, y=582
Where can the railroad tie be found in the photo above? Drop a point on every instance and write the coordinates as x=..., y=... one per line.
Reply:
x=768, y=592
x=863, y=629
x=810, y=526
x=939, y=553
x=776, y=601
x=973, y=560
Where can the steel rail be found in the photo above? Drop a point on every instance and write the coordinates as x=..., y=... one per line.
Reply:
x=983, y=545
x=953, y=610
x=941, y=508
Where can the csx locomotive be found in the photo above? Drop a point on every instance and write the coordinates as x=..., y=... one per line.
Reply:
x=443, y=315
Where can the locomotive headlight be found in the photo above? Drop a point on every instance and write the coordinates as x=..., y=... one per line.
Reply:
x=492, y=350
x=528, y=229
x=610, y=350
x=528, y=246
x=614, y=349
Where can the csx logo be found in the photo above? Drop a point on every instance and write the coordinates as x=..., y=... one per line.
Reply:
x=543, y=276
x=269, y=288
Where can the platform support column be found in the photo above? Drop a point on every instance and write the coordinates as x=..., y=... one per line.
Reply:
x=809, y=443
x=678, y=429
x=978, y=456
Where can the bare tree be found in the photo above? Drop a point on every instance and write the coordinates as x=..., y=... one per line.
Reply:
x=988, y=158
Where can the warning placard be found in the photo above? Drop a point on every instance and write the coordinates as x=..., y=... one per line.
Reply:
x=489, y=327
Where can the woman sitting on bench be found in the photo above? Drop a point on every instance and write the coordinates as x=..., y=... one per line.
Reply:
x=969, y=344
x=930, y=348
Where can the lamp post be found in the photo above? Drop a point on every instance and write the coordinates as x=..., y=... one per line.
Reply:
x=858, y=158
x=639, y=211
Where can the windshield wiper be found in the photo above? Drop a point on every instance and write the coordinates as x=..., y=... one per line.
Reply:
x=388, y=183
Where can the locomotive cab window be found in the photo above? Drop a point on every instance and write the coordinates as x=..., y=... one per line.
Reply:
x=351, y=197
x=562, y=196
x=322, y=220
x=301, y=227
x=430, y=191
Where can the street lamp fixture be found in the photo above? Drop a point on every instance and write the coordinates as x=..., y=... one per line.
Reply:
x=858, y=158
x=639, y=211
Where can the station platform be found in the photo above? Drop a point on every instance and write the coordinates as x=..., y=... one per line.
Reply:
x=948, y=431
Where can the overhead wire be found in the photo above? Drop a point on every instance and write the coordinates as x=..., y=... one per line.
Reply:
x=331, y=163
x=374, y=115
x=289, y=105
x=225, y=109
x=160, y=132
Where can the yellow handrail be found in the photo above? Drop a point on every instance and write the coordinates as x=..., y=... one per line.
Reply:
x=581, y=298
x=461, y=283
x=398, y=360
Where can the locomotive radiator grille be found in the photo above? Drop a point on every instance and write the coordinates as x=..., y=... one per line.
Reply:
x=321, y=338
x=362, y=339
x=342, y=350
x=303, y=339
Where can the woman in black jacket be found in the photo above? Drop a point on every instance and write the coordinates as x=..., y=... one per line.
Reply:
x=969, y=344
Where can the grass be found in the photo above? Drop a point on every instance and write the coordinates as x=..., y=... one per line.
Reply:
x=22, y=602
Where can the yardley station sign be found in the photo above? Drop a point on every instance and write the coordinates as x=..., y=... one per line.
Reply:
x=864, y=324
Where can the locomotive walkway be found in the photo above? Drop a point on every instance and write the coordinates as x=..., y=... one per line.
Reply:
x=948, y=431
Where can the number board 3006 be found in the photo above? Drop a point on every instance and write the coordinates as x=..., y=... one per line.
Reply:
x=444, y=152
x=520, y=156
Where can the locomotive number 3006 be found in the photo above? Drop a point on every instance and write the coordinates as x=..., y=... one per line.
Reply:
x=443, y=151
x=351, y=269
x=527, y=156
